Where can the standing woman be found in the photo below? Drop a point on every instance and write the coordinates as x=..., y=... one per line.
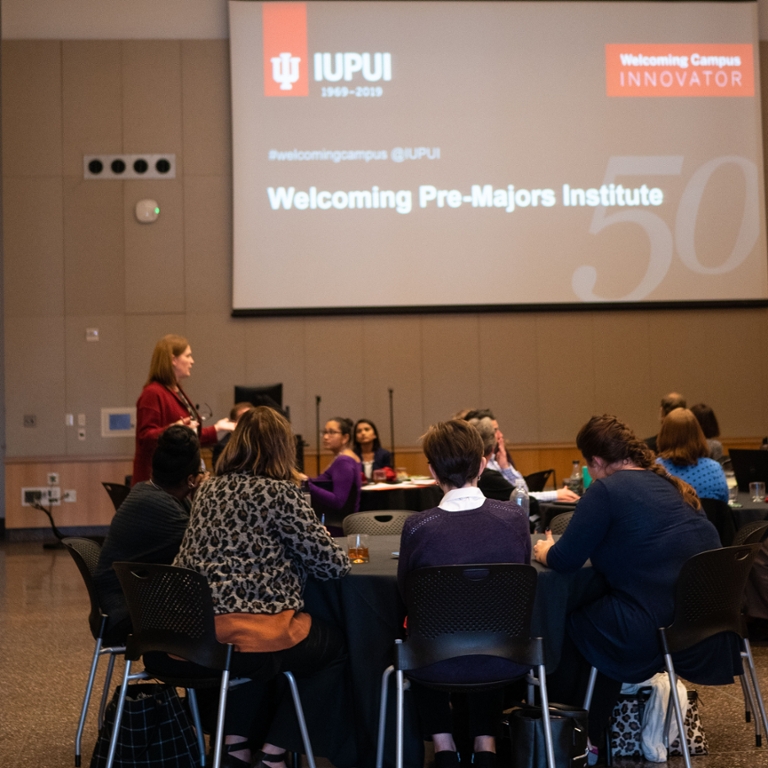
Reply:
x=336, y=492
x=367, y=448
x=163, y=402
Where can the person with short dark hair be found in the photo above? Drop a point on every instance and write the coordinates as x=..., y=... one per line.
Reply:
x=150, y=523
x=465, y=528
x=367, y=446
x=684, y=453
x=711, y=429
x=668, y=404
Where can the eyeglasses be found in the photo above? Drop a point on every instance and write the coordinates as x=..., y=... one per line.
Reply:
x=331, y=432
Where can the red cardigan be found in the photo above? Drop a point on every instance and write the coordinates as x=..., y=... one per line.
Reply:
x=156, y=409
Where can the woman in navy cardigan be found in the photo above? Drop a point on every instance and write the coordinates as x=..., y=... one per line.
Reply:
x=368, y=448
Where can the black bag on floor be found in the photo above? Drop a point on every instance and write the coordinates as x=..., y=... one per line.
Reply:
x=155, y=730
x=569, y=736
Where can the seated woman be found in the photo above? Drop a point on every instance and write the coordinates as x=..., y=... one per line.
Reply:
x=151, y=522
x=683, y=452
x=465, y=528
x=336, y=492
x=255, y=538
x=491, y=482
x=367, y=448
x=638, y=524
x=711, y=429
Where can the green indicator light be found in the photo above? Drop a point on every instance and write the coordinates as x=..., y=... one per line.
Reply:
x=157, y=210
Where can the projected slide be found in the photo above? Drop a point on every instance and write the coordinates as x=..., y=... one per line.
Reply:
x=418, y=156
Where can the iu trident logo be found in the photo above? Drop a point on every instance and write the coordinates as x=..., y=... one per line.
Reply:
x=285, y=70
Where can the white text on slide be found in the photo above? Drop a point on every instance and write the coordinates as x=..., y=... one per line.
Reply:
x=612, y=194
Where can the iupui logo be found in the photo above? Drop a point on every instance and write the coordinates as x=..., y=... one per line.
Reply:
x=345, y=65
x=677, y=69
x=286, y=62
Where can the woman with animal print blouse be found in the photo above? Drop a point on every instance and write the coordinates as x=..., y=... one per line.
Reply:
x=256, y=539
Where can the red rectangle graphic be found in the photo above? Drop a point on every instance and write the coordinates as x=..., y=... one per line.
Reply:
x=286, y=61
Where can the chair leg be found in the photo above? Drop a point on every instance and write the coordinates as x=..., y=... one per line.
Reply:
x=545, y=713
x=118, y=714
x=400, y=686
x=195, y=712
x=113, y=652
x=748, y=703
x=678, y=709
x=590, y=688
x=87, y=700
x=300, y=717
x=383, y=716
x=219, y=740
x=756, y=685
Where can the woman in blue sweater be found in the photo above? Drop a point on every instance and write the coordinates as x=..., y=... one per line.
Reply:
x=684, y=453
x=638, y=524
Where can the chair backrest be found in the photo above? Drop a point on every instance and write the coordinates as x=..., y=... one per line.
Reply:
x=559, y=523
x=85, y=553
x=461, y=610
x=537, y=480
x=381, y=522
x=720, y=515
x=751, y=533
x=708, y=595
x=117, y=493
x=172, y=611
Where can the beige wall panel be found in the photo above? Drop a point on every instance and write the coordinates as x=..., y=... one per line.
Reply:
x=334, y=367
x=92, y=101
x=142, y=332
x=208, y=243
x=154, y=253
x=218, y=346
x=206, y=107
x=392, y=355
x=274, y=353
x=566, y=365
x=622, y=362
x=151, y=74
x=34, y=384
x=508, y=374
x=764, y=99
x=94, y=263
x=31, y=87
x=33, y=240
x=95, y=376
x=450, y=365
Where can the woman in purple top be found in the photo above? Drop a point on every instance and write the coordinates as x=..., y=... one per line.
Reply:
x=336, y=492
x=466, y=528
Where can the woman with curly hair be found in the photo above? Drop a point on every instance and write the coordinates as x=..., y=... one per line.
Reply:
x=638, y=525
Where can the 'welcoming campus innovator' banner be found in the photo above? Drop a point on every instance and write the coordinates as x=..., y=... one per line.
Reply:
x=427, y=155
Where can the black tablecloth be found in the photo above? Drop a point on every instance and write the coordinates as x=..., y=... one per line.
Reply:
x=749, y=510
x=368, y=607
x=414, y=499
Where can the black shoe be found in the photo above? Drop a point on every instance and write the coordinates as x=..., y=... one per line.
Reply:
x=446, y=759
x=484, y=759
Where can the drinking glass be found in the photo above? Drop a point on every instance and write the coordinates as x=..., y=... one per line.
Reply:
x=757, y=491
x=357, y=546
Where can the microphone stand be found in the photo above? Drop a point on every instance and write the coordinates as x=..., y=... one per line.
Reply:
x=317, y=430
x=392, y=425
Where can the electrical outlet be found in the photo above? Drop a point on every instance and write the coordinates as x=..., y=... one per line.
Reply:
x=69, y=496
x=80, y=419
x=31, y=496
x=53, y=478
x=54, y=495
x=81, y=433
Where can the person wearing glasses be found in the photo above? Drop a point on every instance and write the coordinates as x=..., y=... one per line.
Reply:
x=336, y=492
x=163, y=402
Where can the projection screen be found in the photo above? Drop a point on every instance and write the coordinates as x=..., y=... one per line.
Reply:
x=403, y=156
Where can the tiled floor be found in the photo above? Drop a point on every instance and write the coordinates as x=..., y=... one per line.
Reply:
x=45, y=650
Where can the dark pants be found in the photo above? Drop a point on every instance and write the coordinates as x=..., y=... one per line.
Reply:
x=568, y=685
x=262, y=709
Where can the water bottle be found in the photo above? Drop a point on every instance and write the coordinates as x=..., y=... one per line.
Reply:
x=576, y=481
x=519, y=496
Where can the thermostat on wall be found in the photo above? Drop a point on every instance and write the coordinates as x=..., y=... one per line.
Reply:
x=147, y=211
x=118, y=422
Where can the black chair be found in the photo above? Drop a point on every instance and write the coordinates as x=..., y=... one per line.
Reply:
x=172, y=612
x=559, y=523
x=464, y=610
x=85, y=553
x=117, y=493
x=751, y=533
x=721, y=516
x=383, y=522
x=537, y=480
